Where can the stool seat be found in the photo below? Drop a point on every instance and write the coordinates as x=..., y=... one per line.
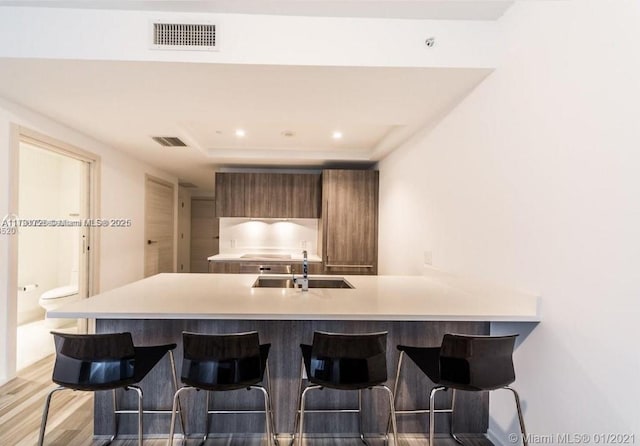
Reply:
x=94, y=362
x=468, y=363
x=344, y=362
x=225, y=362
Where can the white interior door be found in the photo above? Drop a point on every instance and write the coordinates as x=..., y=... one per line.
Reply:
x=159, y=227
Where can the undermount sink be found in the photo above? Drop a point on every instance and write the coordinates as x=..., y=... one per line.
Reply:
x=314, y=282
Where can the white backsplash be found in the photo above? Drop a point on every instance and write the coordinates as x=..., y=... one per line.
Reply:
x=243, y=235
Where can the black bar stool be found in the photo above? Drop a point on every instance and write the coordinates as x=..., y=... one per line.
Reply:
x=344, y=362
x=470, y=363
x=96, y=362
x=223, y=362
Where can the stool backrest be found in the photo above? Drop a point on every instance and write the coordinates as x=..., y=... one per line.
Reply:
x=94, y=361
x=348, y=361
x=477, y=362
x=222, y=360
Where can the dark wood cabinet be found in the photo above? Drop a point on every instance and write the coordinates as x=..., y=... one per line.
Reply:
x=230, y=195
x=307, y=191
x=224, y=267
x=268, y=195
x=312, y=268
x=245, y=267
x=350, y=221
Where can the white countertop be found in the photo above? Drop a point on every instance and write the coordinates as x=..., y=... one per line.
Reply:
x=295, y=257
x=433, y=297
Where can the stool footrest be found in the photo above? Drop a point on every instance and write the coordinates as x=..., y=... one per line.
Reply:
x=131, y=411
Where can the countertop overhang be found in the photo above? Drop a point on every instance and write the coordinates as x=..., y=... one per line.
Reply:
x=432, y=297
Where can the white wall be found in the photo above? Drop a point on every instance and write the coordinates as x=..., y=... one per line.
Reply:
x=122, y=196
x=533, y=181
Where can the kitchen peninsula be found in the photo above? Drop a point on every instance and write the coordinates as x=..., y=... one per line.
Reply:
x=413, y=309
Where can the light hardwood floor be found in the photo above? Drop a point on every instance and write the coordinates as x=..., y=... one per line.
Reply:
x=71, y=419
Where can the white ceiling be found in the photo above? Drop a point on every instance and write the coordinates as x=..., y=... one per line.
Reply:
x=123, y=104
x=403, y=9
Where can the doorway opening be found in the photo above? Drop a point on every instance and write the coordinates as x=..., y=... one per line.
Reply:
x=53, y=266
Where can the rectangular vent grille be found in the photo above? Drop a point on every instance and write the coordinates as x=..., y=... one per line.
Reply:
x=184, y=35
x=169, y=141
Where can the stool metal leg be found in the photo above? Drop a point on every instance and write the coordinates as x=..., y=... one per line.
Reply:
x=302, y=398
x=267, y=419
x=453, y=406
x=297, y=419
x=525, y=441
x=271, y=413
x=395, y=388
x=207, y=404
x=116, y=415
x=174, y=378
x=432, y=413
x=360, y=418
x=174, y=409
x=138, y=390
x=392, y=411
x=395, y=384
x=45, y=414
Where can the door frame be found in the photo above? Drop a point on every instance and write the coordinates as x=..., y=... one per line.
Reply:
x=20, y=134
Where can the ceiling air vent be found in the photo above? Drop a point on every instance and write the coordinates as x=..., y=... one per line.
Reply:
x=190, y=36
x=169, y=141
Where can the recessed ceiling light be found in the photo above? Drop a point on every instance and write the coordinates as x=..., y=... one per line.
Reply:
x=240, y=133
x=336, y=135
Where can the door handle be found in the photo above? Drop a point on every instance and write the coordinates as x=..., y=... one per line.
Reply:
x=149, y=242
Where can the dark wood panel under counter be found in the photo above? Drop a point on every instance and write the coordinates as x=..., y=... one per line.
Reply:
x=284, y=365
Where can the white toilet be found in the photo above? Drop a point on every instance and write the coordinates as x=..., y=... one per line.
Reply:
x=54, y=298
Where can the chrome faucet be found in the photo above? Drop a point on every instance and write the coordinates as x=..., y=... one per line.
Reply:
x=305, y=265
x=305, y=271
x=304, y=282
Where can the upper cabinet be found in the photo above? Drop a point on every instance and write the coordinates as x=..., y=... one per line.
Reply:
x=307, y=196
x=268, y=195
x=230, y=195
x=350, y=221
